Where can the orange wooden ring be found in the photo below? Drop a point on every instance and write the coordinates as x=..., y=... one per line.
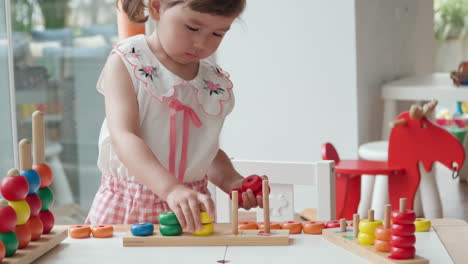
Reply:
x=79, y=231
x=313, y=227
x=382, y=246
x=23, y=234
x=295, y=227
x=102, y=231
x=382, y=233
x=247, y=225
x=273, y=225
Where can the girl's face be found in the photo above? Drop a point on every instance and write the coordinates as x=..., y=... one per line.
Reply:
x=188, y=36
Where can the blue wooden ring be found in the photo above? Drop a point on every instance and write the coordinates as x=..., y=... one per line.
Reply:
x=142, y=229
x=33, y=179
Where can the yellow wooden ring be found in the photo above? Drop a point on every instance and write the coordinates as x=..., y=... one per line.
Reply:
x=369, y=227
x=422, y=225
x=205, y=218
x=365, y=239
x=206, y=230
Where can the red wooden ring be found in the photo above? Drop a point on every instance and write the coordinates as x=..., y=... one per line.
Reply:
x=79, y=231
x=253, y=182
x=402, y=218
x=247, y=225
x=402, y=253
x=313, y=227
x=403, y=241
x=332, y=224
x=295, y=227
x=403, y=230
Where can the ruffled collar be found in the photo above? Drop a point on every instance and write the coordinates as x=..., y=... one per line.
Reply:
x=212, y=85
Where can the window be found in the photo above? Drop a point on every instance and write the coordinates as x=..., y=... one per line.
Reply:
x=60, y=47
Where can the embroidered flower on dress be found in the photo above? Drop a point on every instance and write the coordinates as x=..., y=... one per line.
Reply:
x=213, y=88
x=148, y=71
x=218, y=72
x=134, y=53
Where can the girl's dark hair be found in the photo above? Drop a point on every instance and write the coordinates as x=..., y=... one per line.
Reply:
x=135, y=9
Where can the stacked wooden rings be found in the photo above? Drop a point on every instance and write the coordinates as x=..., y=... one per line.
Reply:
x=169, y=224
x=207, y=225
x=403, y=239
x=142, y=229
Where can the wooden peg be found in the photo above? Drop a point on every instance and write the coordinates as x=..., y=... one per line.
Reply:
x=25, y=155
x=429, y=107
x=234, y=215
x=370, y=215
x=356, y=225
x=398, y=122
x=387, y=212
x=38, y=137
x=343, y=224
x=416, y=113
x=13, y=172
x=266, y=206
x=402, y=205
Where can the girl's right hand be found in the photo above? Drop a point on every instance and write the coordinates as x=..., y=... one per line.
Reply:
x=185, y=203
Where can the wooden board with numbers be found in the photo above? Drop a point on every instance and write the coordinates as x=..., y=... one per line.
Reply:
x=37, y=248
x=222, y=236
x=347, y=241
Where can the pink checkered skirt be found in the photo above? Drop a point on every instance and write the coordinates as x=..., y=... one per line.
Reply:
x=125, y=201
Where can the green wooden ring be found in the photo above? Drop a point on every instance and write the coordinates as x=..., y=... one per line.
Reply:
x=10, y=240
x=168, y=218
x=170, y=230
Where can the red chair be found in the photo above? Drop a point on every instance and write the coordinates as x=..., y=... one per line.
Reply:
x=413, y=139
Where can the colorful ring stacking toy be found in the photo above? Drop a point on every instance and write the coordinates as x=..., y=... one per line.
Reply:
x=247, y=225
x=382, y=239
x=207, y=229
x=273, y=225
x=295, y=227
x=102, y=231
x=313, y=227
x=422, y=225
x=402, y=240
x=79, y=231
x=142, y=229
x=366, y=236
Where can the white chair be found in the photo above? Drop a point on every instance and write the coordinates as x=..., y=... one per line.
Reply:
x=282, y=177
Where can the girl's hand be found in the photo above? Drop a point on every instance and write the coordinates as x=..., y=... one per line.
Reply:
x=185, y=203
x=248, y=197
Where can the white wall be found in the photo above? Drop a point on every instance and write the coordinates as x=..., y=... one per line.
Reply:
x=293, y=65
x=394, y=39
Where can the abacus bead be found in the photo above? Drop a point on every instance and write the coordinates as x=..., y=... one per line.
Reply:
x=45, y=173
x=35, y=226
x=14, y=188
x=35, y=203
x=2, y=251
x=10, y=241
x=47, y=198
x=22, y=211
x=48, y=221
x=8, y=216
x=23, y=234
x=33, y=179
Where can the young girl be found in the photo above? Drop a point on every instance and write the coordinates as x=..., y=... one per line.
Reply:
x=165, y=107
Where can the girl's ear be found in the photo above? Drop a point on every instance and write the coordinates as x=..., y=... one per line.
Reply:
x=154, y=8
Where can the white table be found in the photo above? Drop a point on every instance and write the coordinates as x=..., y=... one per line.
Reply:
x=437, y=86
x=303, y=249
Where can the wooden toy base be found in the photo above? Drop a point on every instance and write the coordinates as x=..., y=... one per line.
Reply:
x=222, y=236
x=347, y=241
x=37, y=248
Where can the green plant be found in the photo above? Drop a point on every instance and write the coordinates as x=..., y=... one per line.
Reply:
x=54, y=12
x=451, y=19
